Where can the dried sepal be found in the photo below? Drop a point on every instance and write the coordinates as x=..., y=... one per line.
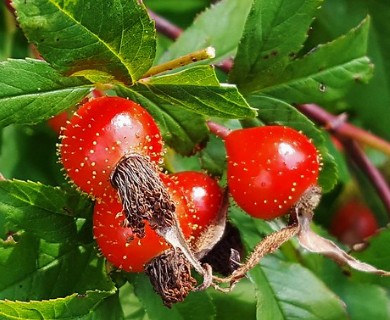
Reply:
x=143, y=194
x=214, y=232
x=170, y=275
x=312, y=242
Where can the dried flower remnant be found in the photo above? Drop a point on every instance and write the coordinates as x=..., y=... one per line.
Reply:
x=143, y=194
x=170, y=275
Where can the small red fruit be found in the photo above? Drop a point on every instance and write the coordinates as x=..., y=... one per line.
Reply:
x=204, y=196
x=119, y=244
x=269, y=168
x=58, y=122
x=353, y=222
x=100, y=134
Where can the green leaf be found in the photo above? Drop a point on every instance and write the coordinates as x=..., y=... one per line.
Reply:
x=109, y=308
x=274, y=111
x=151, y=302
x=219, y=26
x=285, y=290
x=197, y=306
x=240, y=303
x=74, y=307
x=96, y=39
x=368, y=101
x=181, y=129
x=377, y=255
x=33, y=269
x=197, y=89
x=327, y=72
x=45, y=211
x=273, y=35
x=23, y=158
x=300, y=294
x=363, y=300
x=213, y=156
x=31, y=91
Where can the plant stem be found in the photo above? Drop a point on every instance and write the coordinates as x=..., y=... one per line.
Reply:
x=207, y=53
x=338, y=126
x=373, y=174
x=165, y=27
x=218, y=129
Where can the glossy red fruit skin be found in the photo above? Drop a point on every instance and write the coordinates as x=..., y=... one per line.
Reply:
x=113, y=238
x=269, y=168
x=203, y=194
x=103, y=131
x=353, y=222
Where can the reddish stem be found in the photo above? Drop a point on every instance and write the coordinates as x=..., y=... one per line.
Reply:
x=373, y=174
x=218, y=129
x=338, y=126
x=226, y=65
x=165, y=27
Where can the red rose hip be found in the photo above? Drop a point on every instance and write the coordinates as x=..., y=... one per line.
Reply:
x=102, y=132
x=203, y=194
x=353, y=222
x=269, y=168
x=117, y=241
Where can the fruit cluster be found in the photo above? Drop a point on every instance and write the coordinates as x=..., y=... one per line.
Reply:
x=112, y=149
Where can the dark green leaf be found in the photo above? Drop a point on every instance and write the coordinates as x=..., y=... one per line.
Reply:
x=197, y=306
x=197, y=89
x=363, y=300
x=109, y=308
x=376, y=254
x=96, y=39
x=327, y=72
x=220, y=26
x=181, y=129
x=274, y=111
x=45, y=211
x=22, y=157
x=151, y=302
x=213, y=157
x=132, y=307
x=31, y=91
x=368, y=101
x=273, y=35
x=300, y=294
x=240, y=303
x=32, y=269
x=74, y=306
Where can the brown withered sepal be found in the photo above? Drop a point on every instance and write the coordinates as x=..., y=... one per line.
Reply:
x=170, y=275
x=143, y=194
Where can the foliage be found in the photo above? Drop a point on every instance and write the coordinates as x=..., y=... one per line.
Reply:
x=285, y=53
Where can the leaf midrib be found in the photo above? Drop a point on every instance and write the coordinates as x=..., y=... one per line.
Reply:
x=118, y=56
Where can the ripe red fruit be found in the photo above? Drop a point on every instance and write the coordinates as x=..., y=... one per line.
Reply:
x=269, y=168
x=58, y=122
x=100, y=134
x=204, y=196
x=115, y=240
x=353, y=222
